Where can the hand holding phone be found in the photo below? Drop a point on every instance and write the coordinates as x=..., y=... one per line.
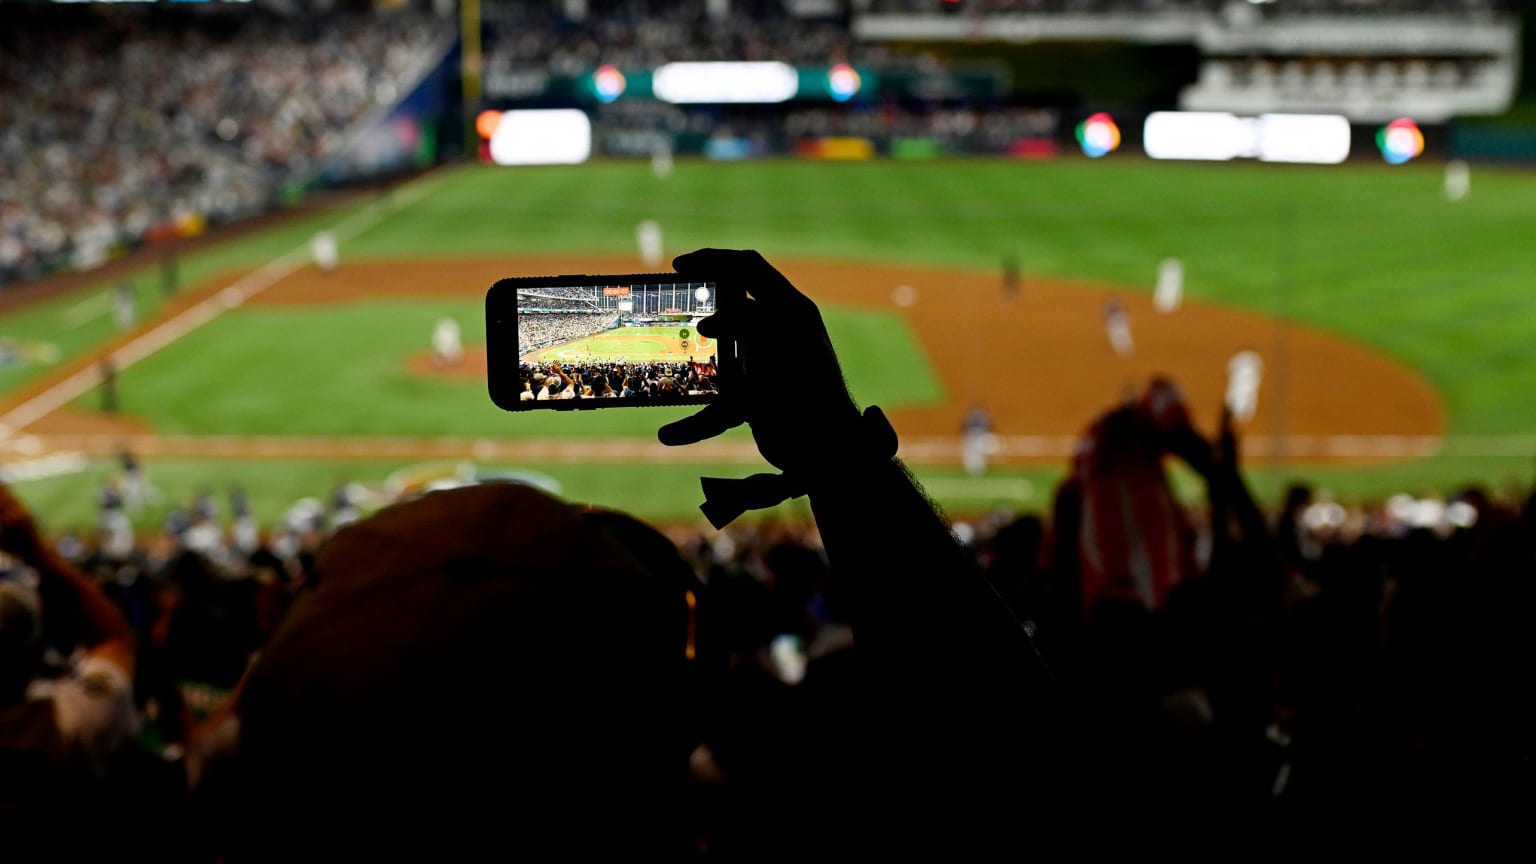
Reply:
x=791, y=389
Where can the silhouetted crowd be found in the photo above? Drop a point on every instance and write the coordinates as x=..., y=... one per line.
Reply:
x=1278, y=667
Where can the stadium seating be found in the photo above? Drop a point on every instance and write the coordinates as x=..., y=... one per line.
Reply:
x=170, y=122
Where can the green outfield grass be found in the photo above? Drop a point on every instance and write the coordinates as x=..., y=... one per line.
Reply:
x=1367, y=251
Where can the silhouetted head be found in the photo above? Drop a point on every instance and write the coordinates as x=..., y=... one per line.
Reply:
x=484, y=668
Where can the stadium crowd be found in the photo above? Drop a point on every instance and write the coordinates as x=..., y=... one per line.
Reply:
x=1314, y=669
x=543, y=330
x=645, y=33
x=115, y=125
x=528, y=42
x=633, y=128
x=557, y=292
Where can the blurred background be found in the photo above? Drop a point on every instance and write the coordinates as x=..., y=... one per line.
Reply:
x=230, y=233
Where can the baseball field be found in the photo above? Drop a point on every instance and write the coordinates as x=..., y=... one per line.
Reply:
x=1395, y=328
x=635, y=344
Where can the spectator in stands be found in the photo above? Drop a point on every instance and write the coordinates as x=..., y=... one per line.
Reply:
x=59, y=728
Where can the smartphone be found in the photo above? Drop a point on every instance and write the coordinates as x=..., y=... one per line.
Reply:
x=603, y=341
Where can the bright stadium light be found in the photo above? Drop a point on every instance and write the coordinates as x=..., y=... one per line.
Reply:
x=1319, y=139
x=486, y=123
x=557, y=136
x=608, y=83
x=725, y=82
x=1217, y=136
x=1400, y=141
x=1098, y=135
x=843, y=82
x=1209, y=136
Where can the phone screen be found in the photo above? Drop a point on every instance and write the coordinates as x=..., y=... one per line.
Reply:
x=601, y=341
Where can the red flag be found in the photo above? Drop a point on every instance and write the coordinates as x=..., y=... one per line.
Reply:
x=1134, y=540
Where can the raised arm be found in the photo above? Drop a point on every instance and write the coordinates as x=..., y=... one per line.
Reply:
x=964, y=701
x=72, y=604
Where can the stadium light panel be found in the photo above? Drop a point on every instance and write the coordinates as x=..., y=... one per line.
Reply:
x=557, y=136
x=1319, y=139
x=1206, y=136
x=710, y=83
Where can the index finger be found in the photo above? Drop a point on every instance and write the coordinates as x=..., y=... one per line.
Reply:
x=746, y=267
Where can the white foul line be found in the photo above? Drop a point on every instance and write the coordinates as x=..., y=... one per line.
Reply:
x=91, y=307
x=203, y=311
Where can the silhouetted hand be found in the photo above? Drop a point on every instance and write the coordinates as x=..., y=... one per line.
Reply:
x=1226, y=441
x=791, y=392
x=1164, y=406
x=18, y=533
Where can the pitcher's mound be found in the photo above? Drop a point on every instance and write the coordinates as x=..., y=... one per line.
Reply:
x=471, y=367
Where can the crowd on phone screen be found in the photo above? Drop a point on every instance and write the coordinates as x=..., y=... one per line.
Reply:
x=616, y=379
x=557, y=304
x=536, y=331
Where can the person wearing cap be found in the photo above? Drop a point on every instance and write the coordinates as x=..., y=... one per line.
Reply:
x=58, y=733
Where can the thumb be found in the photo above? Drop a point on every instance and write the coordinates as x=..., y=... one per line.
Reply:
x=712, y=420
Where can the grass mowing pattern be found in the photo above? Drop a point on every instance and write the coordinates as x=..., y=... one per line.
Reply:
x=339, y=370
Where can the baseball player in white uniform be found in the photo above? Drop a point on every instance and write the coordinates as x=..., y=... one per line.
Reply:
x=323, y=247
x=1244, y=371
x=446, y=346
